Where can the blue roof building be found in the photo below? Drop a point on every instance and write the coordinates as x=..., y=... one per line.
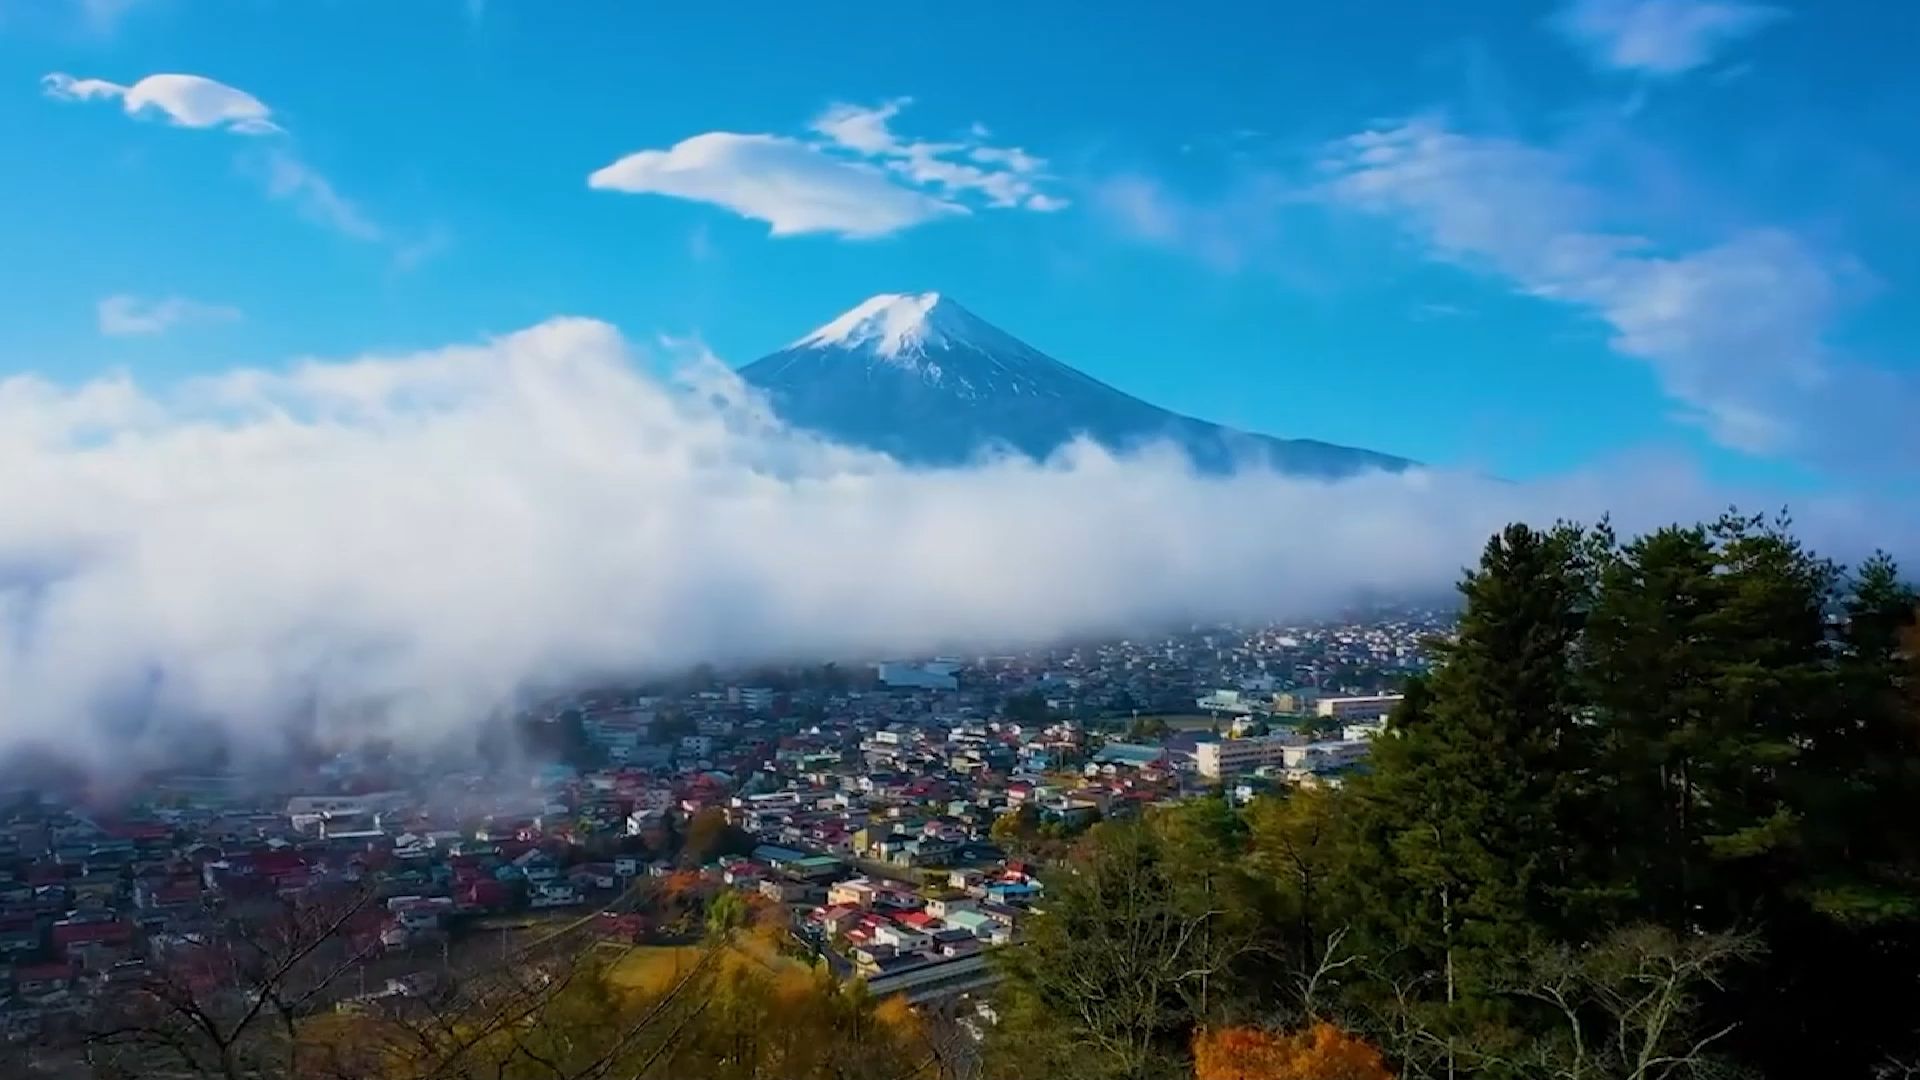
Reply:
x=1132, y=755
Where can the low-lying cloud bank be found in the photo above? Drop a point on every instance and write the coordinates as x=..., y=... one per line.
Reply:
x=413, y=541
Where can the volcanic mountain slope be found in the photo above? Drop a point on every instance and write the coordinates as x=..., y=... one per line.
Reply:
x=925, y=380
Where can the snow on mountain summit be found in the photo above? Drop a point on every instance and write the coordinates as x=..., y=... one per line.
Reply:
x=930, y=338
x=896, y=326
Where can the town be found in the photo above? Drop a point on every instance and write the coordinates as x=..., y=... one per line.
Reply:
x=894, y=818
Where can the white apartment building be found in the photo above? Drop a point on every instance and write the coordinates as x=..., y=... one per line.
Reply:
x=1230, y=757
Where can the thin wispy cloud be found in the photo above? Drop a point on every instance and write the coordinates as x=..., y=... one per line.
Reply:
x=123, y=315
x=1660, y=38
x=411, y=542
x=1005, y=176
x=851, y=176
x=1225, y=232
x=1737, y=330
x=105, y=16
x=408, y=254
x=288, y=177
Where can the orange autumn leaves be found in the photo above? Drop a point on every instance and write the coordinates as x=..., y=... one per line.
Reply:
x=1319, y=1052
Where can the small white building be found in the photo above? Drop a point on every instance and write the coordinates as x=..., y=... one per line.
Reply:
x=947, y=907
x=1224, y=700
x=1325, y=756
x=903, y=939
x=857, y=892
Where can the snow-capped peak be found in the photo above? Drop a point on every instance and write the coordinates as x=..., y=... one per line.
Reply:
x=900, y=325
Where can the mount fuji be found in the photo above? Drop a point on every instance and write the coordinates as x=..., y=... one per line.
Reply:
x=925, y=380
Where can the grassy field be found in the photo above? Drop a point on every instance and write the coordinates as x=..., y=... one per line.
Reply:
x=656, y=967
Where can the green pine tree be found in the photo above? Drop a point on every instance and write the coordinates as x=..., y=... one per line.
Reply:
x=1463, y=849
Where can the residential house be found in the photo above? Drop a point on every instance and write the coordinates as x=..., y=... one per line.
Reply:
x=856, y=892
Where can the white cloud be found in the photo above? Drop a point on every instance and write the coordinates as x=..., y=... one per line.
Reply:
x=410, y=542
x=792, y=186
x=863, y=130
x=857, y=179
x=1005, y=177
x=191, y=101
x=1735, y=330
x=1011, y=157
x=1660, y=37
x=126, y=316
x=194, y=101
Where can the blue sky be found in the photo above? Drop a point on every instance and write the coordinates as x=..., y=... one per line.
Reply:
x=1524, y=238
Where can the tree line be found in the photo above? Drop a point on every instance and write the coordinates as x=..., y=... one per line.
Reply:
x=1655, y=813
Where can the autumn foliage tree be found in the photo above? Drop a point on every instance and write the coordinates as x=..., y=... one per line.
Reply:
x=1319, y=1052
x=710, y=835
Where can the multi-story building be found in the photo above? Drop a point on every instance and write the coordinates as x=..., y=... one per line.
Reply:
x=755, y=698
x=618, y=732
x=1300, y=700
x=1230, y=757
x=1368, y=707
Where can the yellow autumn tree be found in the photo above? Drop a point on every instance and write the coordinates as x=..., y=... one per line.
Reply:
x=1320, y=1052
